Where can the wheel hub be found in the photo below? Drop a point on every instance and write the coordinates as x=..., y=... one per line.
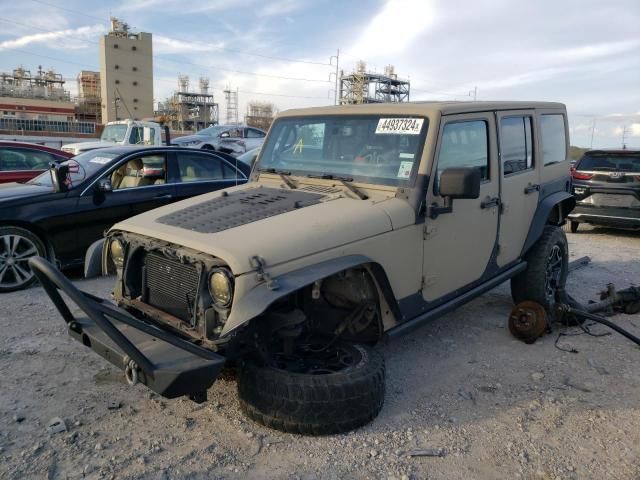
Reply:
x=527, y=321
x=15, y=251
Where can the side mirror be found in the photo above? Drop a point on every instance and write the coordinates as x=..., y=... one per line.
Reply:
x=224, y=135
x=104, y=185
x=460, y=183
x=456, y=183
x=59, y=175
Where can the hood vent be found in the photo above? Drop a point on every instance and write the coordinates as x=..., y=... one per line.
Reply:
x=238, y=208
x=324, y=189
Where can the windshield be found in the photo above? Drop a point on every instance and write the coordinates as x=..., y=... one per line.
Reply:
x=81, y=167
x=114, y=133
x=213, y=131
x=610, y=162
x=371, y=149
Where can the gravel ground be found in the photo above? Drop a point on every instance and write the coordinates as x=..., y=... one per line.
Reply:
x=460, y=387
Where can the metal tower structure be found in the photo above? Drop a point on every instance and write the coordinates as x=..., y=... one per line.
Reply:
x=231, y=96
x=361, y=86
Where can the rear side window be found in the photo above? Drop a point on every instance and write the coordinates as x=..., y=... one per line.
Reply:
x=609, y=163
x=194, y=167
x=464, y=144
x=554, y=142
x=515, y=144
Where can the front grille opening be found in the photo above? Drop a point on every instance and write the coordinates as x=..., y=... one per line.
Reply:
x=171, y=286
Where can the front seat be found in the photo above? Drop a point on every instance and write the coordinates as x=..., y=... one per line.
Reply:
x=134, y=174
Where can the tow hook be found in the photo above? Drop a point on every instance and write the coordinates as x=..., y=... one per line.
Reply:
x=130, y=371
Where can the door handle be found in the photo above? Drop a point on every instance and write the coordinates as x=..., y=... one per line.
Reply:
x=167, y=196
x=531, y=188
x=490, y=203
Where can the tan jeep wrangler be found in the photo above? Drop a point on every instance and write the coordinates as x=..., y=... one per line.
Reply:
x=358, y=222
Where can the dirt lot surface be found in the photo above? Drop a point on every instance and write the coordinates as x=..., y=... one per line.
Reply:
x=460, y=387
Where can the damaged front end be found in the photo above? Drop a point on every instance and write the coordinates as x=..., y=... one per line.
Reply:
x=169, y=364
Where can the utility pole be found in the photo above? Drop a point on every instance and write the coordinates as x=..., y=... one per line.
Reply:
x=624, y=137
x=593, y=130
x=337, y=72
x=475, y=93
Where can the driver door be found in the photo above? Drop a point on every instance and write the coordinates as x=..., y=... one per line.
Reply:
x=459, y=244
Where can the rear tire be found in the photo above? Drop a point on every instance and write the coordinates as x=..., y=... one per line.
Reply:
x=316, y=403
x=17, y=246
x=547, y=269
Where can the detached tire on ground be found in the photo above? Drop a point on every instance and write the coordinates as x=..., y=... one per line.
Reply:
x=321, y=402
x=547, y=269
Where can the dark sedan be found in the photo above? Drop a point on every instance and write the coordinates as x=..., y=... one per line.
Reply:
x=20, y=161
x=61, y=212
x=606, y=184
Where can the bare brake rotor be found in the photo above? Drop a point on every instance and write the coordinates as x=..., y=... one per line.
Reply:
x=528, y=321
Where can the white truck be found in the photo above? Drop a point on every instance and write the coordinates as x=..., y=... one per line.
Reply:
x=121, y=132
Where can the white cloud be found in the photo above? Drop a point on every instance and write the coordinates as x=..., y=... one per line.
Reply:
x=393, y=29
x=162, y=44
x=75, y=36
x=280, y=7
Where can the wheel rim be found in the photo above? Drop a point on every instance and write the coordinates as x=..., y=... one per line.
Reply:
x=553, y=272
x=316, y=359
x=15, y=251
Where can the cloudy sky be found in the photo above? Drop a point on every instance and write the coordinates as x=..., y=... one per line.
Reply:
x=585, y=53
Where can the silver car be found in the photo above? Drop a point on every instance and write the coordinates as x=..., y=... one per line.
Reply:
x=231, y=139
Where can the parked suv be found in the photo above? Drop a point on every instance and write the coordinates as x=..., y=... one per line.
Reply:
x=606, y=184
x=359, y=222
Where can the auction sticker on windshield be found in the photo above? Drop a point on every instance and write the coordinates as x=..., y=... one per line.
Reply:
x=101, y=160
x=400, y=126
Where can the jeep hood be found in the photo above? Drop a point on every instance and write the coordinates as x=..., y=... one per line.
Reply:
x=314, y=225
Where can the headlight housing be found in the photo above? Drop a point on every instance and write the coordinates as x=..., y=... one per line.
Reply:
x=221, y=287
x=191, y=142
x=116, y=250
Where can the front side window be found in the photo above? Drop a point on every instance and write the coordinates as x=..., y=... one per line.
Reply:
x=194, y=168
x=554, y=143
x=140, y=172
x=516, y=148
x=464, y=144
x=370, y=149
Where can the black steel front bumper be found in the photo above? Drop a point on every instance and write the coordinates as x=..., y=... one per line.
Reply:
x=167, y=364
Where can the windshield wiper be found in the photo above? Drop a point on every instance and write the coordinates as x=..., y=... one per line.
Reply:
x=344, y=180
x=284, y=175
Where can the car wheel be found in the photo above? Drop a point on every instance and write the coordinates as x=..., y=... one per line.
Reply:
x=547, y=269
x=208, y=147
x=571, y=226
x=319, y=389
x=17, y=246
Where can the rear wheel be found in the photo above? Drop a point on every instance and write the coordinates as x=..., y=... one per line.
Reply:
x=547, y=269
x=318, y=389
x=17, y=246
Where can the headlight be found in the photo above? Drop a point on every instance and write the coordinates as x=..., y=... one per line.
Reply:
x=117, y=252
x=221, y=287
x=192, y=142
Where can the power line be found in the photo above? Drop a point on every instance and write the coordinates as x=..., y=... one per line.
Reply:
x=271, y=57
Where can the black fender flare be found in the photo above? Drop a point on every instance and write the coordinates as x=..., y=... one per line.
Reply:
x=566, y=203
x=257, y=300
